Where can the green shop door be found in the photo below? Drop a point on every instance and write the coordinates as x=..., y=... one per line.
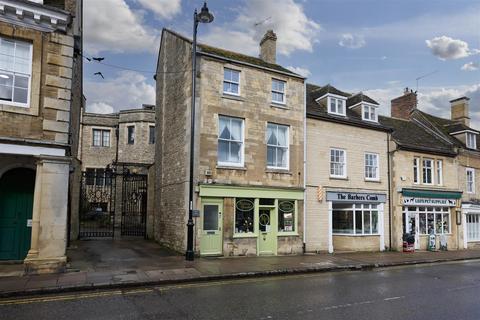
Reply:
x=267, y=227
x=16, y=205
x=211, y=241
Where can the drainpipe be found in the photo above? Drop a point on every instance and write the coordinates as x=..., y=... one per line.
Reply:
x=389, y=195
x=304, y=166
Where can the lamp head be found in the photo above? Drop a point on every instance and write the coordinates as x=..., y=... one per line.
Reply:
x=204, y=16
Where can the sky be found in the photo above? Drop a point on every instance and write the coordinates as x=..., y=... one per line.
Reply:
x=378, y=47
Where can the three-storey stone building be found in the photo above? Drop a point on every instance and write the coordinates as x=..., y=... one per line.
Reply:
x=249, y=151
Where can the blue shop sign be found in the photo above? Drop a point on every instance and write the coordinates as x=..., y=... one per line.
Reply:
x=356, y=197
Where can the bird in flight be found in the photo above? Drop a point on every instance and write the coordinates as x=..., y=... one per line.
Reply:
x=99, y=74
x=99, y=59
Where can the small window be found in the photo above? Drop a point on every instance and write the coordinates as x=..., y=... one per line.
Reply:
x=101, y=138
x=440, y=172
x=278, y=91
x=369, y=113
x=151, y=135
x=336, y=106
x=277, y=146
x=416, y=170
x=427, y=165
x=470, y=180
x=231, y=81
x=230, y=141
x=371, y=166
x=337, y=163
x=98, y=177
x=471, y=140
x=131, y=134
x=15, y=71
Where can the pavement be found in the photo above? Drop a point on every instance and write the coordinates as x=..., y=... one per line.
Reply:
x=437, y=291
x=132, y=263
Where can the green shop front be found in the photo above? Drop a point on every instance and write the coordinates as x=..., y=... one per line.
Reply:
x=249, y=221
x=432, y=212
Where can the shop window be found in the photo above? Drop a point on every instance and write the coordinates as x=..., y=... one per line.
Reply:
x=358, y=219
x=434, y=220
x=230, y=141
x=286, y=215
x=244, y=215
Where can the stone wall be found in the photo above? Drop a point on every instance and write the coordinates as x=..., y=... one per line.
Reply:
x=468, y=159
x=141, y=151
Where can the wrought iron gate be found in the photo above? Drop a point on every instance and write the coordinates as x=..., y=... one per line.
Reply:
x=97, y=204
x=134, y=208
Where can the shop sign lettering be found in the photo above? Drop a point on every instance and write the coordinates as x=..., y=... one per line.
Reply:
x=411, y=201
x=244, y=205
x=286, y=206
x=356, y=197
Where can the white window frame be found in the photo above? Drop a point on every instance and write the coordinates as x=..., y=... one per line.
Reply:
x=416, y=170
x=242, y=149
x=102, y=132
x=471, y=171
x=377, y=168
x=275, y=146
x=431, y=168
x=231, y=81
x=370, y=109
x=134, y=134
x=439, y=172
x=344, y=163
x=284, y=93
x=337, y=100
x=471, y=140
x=29, y=93
x=363, y=207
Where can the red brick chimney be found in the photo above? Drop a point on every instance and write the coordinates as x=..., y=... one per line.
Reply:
x=404, y=105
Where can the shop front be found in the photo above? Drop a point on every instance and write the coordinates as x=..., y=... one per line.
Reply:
x=356, y=221
x=426, y=213
x=471, y=225
x=244, y=221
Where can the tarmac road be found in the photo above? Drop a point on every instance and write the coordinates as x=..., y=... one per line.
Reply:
x=441, y=291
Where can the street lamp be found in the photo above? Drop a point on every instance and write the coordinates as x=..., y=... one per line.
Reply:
x=203, y=17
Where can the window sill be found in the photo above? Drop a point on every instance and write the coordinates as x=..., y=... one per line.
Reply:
x=226, y=167
x=355, y=235
x=232, y=96
x=279, y=105
x=338, y=178
x=372, y=180
x=244, y=235
x=280, y=171
x=287, y=234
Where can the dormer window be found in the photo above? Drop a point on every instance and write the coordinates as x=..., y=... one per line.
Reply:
x=336, y=106
x=369, y=113
x=471, y=140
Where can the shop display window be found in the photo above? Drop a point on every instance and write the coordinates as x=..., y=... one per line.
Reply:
x=358, y=219
x=286, y=216
x=244, y=215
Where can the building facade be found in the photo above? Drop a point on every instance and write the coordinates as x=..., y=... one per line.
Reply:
x=347, y=207
x=39, y=45
x=249, y=151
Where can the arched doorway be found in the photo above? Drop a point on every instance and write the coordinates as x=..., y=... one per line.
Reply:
x=16, y=204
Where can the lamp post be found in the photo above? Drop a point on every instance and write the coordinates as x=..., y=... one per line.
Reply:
x=203, y=17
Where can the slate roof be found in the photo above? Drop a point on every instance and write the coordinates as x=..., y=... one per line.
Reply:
x=360, y=97
x=319, y=111
x=410, y=135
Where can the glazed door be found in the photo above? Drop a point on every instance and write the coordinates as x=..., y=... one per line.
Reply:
x=413, y=227
x=211, y=221
x=267, y=228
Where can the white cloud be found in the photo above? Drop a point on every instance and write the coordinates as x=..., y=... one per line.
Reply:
x=471, y=66
x=100, y=107
x=295, y=31
x=301, y=71
x=165, y=9
x=111, y=25
x=127, y=91
x=446, y=48
x=352, y=41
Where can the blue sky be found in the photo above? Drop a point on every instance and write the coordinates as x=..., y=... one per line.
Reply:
x=378, y=47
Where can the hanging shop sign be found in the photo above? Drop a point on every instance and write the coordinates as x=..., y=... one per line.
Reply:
x=411, y=201
x=356, y=197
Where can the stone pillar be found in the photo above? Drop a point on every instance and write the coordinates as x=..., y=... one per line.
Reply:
x=49, y=222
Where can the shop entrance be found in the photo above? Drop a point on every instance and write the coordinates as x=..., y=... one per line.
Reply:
x=267, y=228
x=16, y=205
x=412, y=227
x=211, y=221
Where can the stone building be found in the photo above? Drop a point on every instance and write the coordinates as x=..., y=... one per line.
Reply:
x=425, y=192
x=249, y=150
x=40, y=42
x=112, y=146
x=347, y=206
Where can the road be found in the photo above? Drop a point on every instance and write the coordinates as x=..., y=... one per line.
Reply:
x=442, y=291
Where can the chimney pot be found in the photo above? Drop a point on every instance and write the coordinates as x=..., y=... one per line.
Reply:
x=460, y=110
x=268, y=47
x=403, y=106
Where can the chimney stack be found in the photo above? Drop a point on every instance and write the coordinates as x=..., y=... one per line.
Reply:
x=459, y=110
x=268, y=47
x=402, y=106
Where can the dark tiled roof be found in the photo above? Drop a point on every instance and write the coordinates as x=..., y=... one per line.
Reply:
x=408, y=134
x=319, y=111
x=360, y=97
